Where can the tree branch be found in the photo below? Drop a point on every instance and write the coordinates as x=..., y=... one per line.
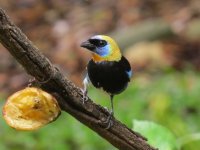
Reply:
x=68, y=95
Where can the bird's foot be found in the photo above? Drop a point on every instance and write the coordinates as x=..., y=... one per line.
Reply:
x=109, y=120
x=85, y=97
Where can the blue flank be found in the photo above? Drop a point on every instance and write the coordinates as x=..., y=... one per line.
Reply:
x=103, y=51
x=129, y=73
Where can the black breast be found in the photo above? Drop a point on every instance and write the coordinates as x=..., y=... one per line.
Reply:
x=112, y=76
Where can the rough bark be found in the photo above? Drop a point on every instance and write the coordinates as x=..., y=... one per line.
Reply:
x=68, y=95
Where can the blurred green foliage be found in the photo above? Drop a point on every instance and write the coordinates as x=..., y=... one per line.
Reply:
x=158, y=136
x=170, y=99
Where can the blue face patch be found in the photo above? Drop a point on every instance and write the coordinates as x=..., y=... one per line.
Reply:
x=103, y=51
x=129, y=73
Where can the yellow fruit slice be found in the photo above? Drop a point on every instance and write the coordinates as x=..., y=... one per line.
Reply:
x=30, y=109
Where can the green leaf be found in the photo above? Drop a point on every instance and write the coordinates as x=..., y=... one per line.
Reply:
x=157, y=135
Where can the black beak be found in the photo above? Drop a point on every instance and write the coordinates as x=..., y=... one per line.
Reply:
x=88, y=45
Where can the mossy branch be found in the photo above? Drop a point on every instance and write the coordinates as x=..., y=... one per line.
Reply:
x=68, y=95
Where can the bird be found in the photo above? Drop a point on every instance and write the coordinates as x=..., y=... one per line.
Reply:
x=108, y=69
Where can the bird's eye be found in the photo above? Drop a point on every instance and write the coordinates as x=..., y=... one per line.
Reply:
x=101, y=43
x=98, y=43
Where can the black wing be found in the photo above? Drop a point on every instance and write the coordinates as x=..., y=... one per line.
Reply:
x=112, y=76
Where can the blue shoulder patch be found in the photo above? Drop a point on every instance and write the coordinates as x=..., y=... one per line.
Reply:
x=129, y=73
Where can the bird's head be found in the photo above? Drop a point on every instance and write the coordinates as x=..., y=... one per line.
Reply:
x=104, y=48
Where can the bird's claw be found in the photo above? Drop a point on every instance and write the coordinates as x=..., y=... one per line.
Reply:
x=109, y=121
x=85, y=97
x=109, y=125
